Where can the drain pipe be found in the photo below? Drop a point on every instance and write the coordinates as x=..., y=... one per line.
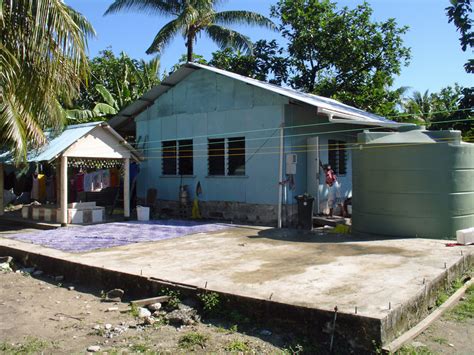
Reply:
x=280, y=174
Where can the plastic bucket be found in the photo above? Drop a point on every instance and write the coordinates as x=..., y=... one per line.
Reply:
x=143, y=213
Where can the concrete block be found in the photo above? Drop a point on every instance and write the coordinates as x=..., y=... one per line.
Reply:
x=465, y=236
x=98, y=215
x=25, y=211
x=36, y=213
x=47, y=215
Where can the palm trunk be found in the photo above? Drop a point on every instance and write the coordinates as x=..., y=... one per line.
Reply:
x=189, y=44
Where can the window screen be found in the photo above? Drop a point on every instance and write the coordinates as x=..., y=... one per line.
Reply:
x=168, y=154
x=185, y=157
x=216, y=154
x=337, y=156
x=236, y=156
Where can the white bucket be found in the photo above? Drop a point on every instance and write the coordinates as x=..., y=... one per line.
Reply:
x=143, y=213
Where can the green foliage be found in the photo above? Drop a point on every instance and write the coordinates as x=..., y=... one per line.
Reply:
x=237, y=317
x=191, y=18
x=459, y=13
x=134, y=312
x=174, y=296
x=190, y=340
x=115, y=82
x=465, y=309
x=445, y=294
x=42, y=63
x=30, y=345
x=140, y=348
x=368, y=56
x=210, y=301
x=410, y=350
x=436, y=110
x=266, y=63
x=237, y=346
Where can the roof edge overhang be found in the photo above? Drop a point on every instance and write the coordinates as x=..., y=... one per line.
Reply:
x=334, y=107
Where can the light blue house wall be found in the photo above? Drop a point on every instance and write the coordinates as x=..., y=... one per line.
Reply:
x=207, y=105
x=309, y=125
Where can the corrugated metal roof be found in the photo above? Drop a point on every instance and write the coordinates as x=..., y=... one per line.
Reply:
x=58, y=144
x=334, y=107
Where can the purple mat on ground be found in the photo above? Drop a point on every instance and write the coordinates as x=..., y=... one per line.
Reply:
x=107, y=235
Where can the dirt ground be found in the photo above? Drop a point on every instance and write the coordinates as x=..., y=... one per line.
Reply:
x=38, y=314
x=453, y=333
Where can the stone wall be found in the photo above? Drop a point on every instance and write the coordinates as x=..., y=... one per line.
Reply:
x=235, y=212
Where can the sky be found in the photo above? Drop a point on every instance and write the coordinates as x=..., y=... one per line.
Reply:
x=437, y=59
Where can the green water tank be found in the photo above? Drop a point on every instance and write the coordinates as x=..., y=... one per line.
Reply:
x=412, y=183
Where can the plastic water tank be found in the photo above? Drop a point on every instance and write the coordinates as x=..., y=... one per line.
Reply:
x=413, y=183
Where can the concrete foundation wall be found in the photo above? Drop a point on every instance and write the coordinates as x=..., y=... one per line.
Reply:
x=235, y=212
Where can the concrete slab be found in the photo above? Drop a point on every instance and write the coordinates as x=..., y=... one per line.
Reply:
x=384, y=279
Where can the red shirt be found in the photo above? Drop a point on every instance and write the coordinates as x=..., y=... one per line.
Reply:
x=330, y=177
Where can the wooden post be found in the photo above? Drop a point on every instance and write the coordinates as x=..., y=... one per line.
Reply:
x=2, y=207
x=126, y=188
x=63, y=196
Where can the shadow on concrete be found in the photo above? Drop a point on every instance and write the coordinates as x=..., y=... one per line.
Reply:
x=316, y=236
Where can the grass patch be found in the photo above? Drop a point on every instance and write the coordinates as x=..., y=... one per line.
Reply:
x=140, y=348
x=31, y=345
x=444, y=295
x=237, y=345
x=440, y=340
x=411, y=350
x=190, y=340
x=464, y=310
x=134, y=312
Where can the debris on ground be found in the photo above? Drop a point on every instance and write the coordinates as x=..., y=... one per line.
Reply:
x=143, y=313
x=93, y=348
x=149, y=301
x=184, y=315
x=5, y=263
x=114, y=295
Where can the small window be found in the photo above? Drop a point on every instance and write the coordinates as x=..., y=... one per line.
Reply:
x=337, y=156
x=216, y=153
x=168, y=154
x=185, y=157
x=236, y=156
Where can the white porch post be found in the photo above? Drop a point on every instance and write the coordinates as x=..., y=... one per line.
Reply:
x=280, y=176
x=63, y=196
x=2, y=207
x=126, y=188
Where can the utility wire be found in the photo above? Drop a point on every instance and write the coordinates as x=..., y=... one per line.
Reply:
x=352, y=146
x=160, y=149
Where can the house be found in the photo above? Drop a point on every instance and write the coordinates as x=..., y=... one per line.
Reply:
x=251, y=146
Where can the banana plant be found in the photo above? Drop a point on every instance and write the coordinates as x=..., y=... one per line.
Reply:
x=100, y=111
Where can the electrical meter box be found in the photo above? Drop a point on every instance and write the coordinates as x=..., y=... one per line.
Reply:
x=291, y=161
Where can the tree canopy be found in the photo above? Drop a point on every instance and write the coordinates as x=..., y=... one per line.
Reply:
x=115, y=82
x=42, y=63
x=191, y=18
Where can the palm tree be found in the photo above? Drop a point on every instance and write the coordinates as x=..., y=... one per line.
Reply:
x=419, y=106
x=193, y=17
x=42, y=63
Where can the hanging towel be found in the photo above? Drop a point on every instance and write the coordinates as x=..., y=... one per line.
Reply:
x=105, y=178
x=114, y=177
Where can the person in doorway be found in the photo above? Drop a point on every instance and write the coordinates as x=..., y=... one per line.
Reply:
x=333, y=189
